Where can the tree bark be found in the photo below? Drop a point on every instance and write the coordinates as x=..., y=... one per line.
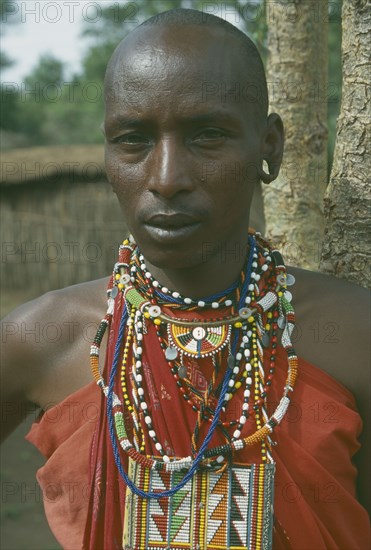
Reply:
x=346, y=250
x=297, y=80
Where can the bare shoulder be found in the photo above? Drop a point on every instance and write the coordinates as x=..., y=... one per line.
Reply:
x=333, y=327
x=334, y=334
x=44, y=342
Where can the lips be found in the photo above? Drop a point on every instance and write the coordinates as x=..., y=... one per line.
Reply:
x=171, y=221
x=171, y=227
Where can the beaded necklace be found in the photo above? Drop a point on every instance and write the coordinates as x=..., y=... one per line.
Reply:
x=230, y=331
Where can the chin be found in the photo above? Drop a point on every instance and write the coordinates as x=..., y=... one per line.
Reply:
x=173, y=259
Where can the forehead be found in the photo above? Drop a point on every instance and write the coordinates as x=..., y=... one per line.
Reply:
x=182, y=66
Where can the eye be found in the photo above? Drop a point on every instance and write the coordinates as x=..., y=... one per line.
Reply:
x=132, y=139
x=209, y=134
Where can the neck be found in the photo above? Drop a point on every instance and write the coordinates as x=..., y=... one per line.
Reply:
x=206, y=278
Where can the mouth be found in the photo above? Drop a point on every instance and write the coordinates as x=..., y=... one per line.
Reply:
x=171, y=227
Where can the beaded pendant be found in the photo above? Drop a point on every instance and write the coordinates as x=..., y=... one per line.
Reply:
x=228, y=509
x=198, y=341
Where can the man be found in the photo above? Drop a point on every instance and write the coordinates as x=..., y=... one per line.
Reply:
x=172, y=127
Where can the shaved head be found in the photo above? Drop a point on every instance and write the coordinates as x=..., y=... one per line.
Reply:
x=235, y=44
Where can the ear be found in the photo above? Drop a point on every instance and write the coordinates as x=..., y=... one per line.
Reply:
x=272, y=148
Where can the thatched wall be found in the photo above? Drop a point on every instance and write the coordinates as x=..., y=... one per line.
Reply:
x=60, y=221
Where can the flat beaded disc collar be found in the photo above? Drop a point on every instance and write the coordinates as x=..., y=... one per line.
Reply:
x=231, y=329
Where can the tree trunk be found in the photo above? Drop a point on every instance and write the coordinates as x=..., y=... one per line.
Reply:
x=346, y=249
x=297, y=80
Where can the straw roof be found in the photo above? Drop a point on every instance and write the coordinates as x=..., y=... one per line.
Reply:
x=72, y=162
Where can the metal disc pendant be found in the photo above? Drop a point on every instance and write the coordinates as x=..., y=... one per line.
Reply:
x=125, y=279
x=266, y=339
x=154, y=311
x=114, y=292
x=290, y=279
x=182, y=371
x=281, y=279
x=281, y=322
x=171, y=353
x=245, y=312
x=288, y=295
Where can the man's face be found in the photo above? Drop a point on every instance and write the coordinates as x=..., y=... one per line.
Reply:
x=183, y=143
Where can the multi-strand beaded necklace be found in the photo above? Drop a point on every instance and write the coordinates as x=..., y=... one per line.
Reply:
x=232, y=329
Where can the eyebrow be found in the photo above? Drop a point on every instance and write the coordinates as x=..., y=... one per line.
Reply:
x=210, y=117
x=122, y=121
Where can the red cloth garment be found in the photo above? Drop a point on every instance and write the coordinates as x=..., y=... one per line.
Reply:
x=315, y=504
x=314, y=495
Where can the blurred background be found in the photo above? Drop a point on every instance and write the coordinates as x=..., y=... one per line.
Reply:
x=60, y=223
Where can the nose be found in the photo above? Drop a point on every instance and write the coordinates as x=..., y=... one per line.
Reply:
x=170, y=171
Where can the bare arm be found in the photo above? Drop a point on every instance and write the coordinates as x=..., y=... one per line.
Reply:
x=45, y=349
x=18, y=358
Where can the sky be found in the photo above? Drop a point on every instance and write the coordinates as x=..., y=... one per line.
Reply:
x=52, y=27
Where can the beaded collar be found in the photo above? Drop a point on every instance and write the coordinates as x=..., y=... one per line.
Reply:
x=231, y=329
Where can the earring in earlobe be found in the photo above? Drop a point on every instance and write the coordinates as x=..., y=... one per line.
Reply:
x=268, y=177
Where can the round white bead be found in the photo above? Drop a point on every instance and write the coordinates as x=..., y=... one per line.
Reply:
x=214, y=305
x=147, y=420
x=236, y=434
x=144, y=406
x=158, y=446
x=243, y=418
x=201, y=303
